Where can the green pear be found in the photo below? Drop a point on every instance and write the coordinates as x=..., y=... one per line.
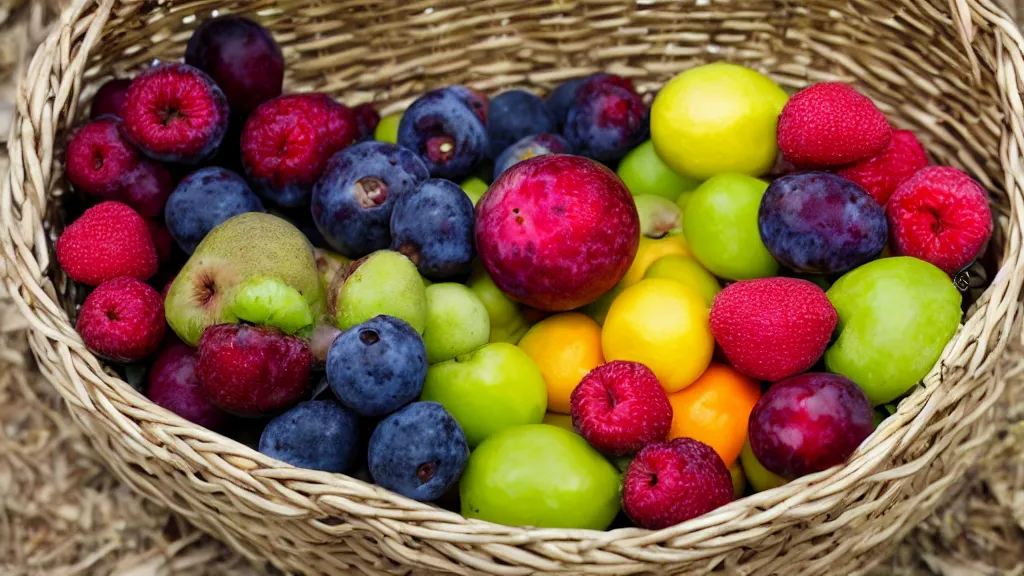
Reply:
x=250, y=245
x=384, y=282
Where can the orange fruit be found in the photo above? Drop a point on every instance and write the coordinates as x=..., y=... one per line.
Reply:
x=715, y=410
x=566, y=347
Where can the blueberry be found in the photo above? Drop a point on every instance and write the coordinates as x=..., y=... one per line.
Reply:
x=433, y=226
x=418, y=452
x=204, y=199
x=528, y=147
x=377, y=367
x=821, y=223
x=445, y=133
x=318, y=435
x=513, y=116
x=606, y=121
x=353, y=200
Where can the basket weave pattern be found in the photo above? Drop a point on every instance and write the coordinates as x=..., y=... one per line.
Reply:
x=952, y=72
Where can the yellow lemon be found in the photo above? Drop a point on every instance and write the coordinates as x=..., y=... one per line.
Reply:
x=565, y=347
x=663, y=324
x=687, y=270
x=717, y=118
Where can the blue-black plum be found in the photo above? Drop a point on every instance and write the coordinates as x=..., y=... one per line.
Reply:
x=433, y=226
x=606, y=120
x=528, y=147
x=318, y=435
x=513, y=116
x=204, y=199
x=445, y=132
x=353, y=199
x=418, y=452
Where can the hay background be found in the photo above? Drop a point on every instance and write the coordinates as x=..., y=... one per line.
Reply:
x=62, y=513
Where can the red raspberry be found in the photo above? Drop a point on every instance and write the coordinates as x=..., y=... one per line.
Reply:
x=880, y=175
x=108, y=241
x=98, y=158
x=831, y=124
x=772, y=328
x=940, y=215
x=122, y=320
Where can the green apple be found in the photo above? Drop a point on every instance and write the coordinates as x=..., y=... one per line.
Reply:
x=267, y=301
x=387, y=128
x=643, y=172
x=739, y=481
x=384, y=282
x=507, y=321
x=457, y=322
x=895, y=317
x=474, y=188
x=720, y=223
x=246, y=246
x=658, y=216
x=492, y=388
x=686, y=270
x=759, y=477
x=540, y=475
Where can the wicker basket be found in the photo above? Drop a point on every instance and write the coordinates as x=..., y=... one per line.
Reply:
x=952, y=71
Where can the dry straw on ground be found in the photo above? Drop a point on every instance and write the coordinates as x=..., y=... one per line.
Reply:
x=62, y=513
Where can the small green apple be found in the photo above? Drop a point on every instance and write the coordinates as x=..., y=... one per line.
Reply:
x=686, y=270
x=895, y=317
x=457, y=322
x=540, y=475
x=658, y=216
x=643, y=172
x=508, y=323
x=267, y=301
x=759, y=477
x=720, y=223
x=474, y=188
x=384, y=282
x=492, y=388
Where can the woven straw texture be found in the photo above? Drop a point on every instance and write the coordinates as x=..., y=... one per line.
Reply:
x=952, y=72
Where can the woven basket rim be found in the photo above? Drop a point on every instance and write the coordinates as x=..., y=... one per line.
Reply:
x=54, y=340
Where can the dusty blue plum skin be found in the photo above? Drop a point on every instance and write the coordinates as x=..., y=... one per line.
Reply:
x=476, y=101
x=377, y=367
x=418, y=452
x=443, y=115
x=204, y=199
x=563, y=96
x=528, y=147
x=606, y=121
x=353, y=199
x=514, y=115
x=318, y=435
x=821, y=223
x=433, y=226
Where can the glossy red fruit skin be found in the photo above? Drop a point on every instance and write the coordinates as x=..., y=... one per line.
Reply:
x=620, y=407
x=107, y=241
x=98, y=159
x=880, y=175
x=173, y=384
x=252, y=371
x=773, y=328
x=162, y=241
x=831, y=124
x=122, y=320
x=557, y=231
x=672, y=482
x=147, y=187
x=940, y=215
x=809, y=423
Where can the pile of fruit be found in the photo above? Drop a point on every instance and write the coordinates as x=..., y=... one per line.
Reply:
x=465, y=304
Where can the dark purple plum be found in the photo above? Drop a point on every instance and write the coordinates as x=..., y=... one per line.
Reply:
x=821, y=223
x=376, y=367
x=109, y=98
x=433, y=226
x=446, y=134
x=367, y=119
x=316, y=435
x=241, y=56
x=564, y=95
x=147, y=187
x=515, y=115
x=203, y=200
x=808, y=423
x=353, y=199
x=606, y=120
x=528, y=147
x=174, y=385
x=475, y=99
x=418, y=452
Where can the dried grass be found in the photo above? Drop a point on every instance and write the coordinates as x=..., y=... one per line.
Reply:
x=62, y=513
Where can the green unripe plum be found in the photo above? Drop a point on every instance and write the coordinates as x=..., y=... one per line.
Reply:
x=643, y=172
x=658, y=216
x=686, y=270
x=720, y=223
x=542, y=476
x=759, y=477
x=384, y=282
x=474, y=188
x=457, y=322
x=387, y=128
x=507, y=321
